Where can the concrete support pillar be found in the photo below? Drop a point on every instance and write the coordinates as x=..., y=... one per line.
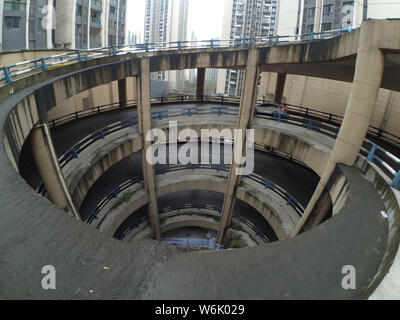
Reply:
x=131, y=88
x=318, y=16
x=280, y=87
x=364, y=93
x=122, y=93
x=201, y=78
x=49, y=169
x=144, y=119
x=264, y=84
x=304, y=92
x=246, y=111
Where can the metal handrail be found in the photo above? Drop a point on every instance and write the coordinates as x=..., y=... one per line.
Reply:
x=291, y=108
x=27, y=68
x=186, y=206
x=393, y=169
x=311, y=124
x=291, y=201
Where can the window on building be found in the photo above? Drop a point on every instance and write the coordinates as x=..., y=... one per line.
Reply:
x=326, y=27
x=12, y=22
x=310, y=28
x=14, y=5
x=40, y=26
x=348, y=7
x=328, y=10
x=78, y=10
x=311, y=13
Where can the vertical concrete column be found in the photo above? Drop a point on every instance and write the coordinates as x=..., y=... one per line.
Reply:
x=144, y=117
x=49, y=169
x=364, y=93
x=122, y=94
x=246, y=111
x=318, y=16
x=131, y=88
x=264, y=84
x=304, y=92
x=201, y=78
x=280, y=87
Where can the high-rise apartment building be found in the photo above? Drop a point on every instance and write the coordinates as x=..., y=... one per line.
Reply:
x=73, y=24
x=166, y=21
x=83, y=24
x=244, y=19
x=23, y=24
x=307, y=16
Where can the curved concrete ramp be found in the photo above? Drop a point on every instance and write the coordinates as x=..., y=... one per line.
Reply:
x=34, y=234
x=309, y=266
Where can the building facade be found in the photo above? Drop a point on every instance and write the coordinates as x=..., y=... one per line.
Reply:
x=244, y=19
x=84, y=24
x=166, y=21
x=24, y=24
x=72, y=24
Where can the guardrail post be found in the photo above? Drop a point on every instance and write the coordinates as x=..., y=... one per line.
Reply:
x=396, y=181
x=212, y=43
x=7, y=76
x=44, y=66
x=114, y=50
x=310, y=125
x=371, y=153
x=79, y=55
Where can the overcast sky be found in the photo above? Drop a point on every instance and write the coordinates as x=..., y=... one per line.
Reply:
x=205, y=17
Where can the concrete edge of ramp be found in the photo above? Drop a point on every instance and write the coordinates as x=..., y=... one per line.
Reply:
x=306, y=267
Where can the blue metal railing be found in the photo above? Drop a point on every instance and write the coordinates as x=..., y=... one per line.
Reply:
x=194, y=243
x=311, y=124
x=290, y=200
x=26, y=68
x=190, y=206
x=374, y=157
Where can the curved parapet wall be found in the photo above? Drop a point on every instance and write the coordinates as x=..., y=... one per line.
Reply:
x=308, y=266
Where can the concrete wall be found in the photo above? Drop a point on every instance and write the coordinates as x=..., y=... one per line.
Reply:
x=62, y=83
x=383, y=9
x=10, y=58
x=83, y=172
x=97, y=96
x=387, y=279
x=288, y=21
x=331, y=96
x=209, y=180
x=65, y=19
